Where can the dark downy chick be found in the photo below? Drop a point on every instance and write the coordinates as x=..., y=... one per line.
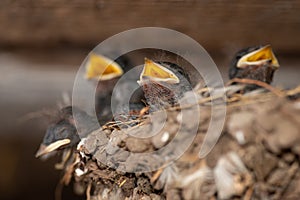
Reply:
x=62, y=133
x=106, y=73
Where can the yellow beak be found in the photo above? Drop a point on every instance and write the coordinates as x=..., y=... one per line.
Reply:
x=260, y=56
x=157, y=72
x=51, y=147
x=102, y=68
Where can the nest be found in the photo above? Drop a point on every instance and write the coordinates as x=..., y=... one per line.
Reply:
x=256, y=157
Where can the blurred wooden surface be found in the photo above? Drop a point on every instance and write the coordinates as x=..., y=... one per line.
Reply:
x=217, y=25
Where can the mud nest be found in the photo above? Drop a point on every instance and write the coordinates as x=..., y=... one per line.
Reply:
x=256, y=156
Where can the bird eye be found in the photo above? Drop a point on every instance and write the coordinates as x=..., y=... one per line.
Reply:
x=180, y=72
x=63, y=129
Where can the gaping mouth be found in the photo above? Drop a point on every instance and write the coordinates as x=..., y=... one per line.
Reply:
x=261, y=56
x=157, y=72
x=102, y=68
x=51, y=147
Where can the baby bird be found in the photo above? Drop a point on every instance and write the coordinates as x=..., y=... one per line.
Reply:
x=257, y=63
x=62, y=133
x=107, y=73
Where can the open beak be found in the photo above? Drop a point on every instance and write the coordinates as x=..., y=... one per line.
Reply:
x=43, y=150
x=102, y=68
x=157, y=72
x=261, y=56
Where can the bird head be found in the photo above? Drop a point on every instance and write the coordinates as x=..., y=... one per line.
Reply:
x=105, y=73
x=157, y=72
x=163, y=83
x=61, y=134
x=256, y=56
x=58, y=136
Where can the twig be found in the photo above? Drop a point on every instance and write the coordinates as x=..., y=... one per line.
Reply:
x=248, y=194
x=157, y=173
x=201, y=101
x=65, y=180
x=122, y=183
x=58, y=190
x=291, y=175
x=113, y=124
x=259, y=83
x=143, y=111
x=88, y=191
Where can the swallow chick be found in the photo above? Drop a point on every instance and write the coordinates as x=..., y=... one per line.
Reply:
x=106, y=73
x=62, y=134
x=257, y=63
x=163, y=83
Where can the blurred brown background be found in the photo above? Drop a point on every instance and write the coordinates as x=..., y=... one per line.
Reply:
x=42, y=44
